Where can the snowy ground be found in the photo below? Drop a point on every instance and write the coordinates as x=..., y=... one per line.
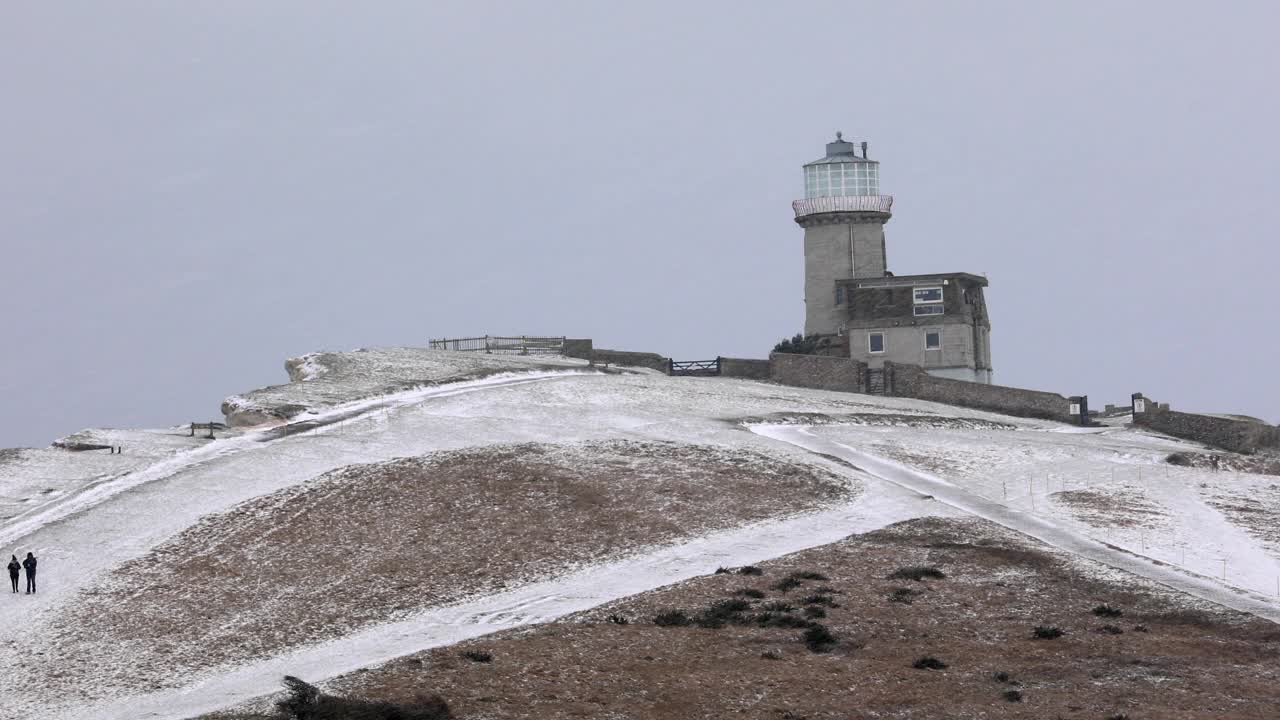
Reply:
x=967, y=459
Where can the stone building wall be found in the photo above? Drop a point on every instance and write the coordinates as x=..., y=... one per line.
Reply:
x=913, y=382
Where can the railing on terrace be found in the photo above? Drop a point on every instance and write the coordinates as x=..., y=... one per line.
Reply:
x=843, y=203
x=511, y=345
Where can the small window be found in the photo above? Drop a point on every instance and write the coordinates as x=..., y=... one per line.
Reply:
x=928, y=295
x=928, y=310
x=839, y=294
x=875, y=342
x=932, y=340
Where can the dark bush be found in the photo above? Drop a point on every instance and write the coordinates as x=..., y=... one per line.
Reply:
x=777, y=606
x=750, y=570
x=787, y=583
x=917, y=573
x=671, y=618
x=809, y=575
x=723, y=571
x=1110, y=630
x=1047, y=632
x=782, y=620
x=1140, y=628
x=827, y=590
x=803, y=344
x=819, y=639
x=720, y=612
x=1013, y=695
x=820, y=600
x=306, y=702
x=1001, y=676
x=618, y=620
x=479, y=656
x=904, y=595
x=1181, y=458
x=813, y=611
x=749, y=592
x=929, y=663
x=1107, y=611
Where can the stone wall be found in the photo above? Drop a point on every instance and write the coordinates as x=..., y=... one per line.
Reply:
x=913, y=382
x=578, y=348
x=739, y=367
x=817, y=371
x=1242, y=436
x=652, y=361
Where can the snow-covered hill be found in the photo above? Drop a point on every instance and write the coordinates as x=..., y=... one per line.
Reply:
x=478, y=493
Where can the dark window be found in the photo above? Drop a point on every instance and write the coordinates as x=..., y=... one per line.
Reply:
x=875, y=342
x=839, y=294
x=928, y=309
x=932, y=341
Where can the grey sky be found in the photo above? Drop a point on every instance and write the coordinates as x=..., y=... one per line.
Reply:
x=192, y=192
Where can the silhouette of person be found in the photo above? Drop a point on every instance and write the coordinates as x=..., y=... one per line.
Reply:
x=30, y=565
x=14, y=567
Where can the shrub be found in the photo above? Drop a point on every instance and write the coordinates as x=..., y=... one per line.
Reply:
x=1107, y=611
x=1001, y=676
x=1047, y=632
x=720, y=612
x=1181, y=458
x=929, y=663
x=479, y=656
x=904, y=595
x=827, y=590
x=1013, y=695
x=820, y=600
x=750, y=570
x=813, y=611
x=782, y=620
x=671, y=618
x=306, y=702
x=1140, y=628
x=809, y=575
x=777, y=606
x=1110, y=630
x=749, y=592
x=787, y=583
x=819, y=639
x=917, y=573
x=803, y=344
x=618, y=620
x=722, y=571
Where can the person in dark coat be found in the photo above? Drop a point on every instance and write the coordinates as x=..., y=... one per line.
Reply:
x=14, y=567
x=30, y=565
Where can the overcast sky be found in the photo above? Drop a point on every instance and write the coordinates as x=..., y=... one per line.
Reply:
x=192, y=192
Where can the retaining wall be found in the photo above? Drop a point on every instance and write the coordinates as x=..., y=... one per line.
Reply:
x=1242, y=436
x=743, y=368
x=913, y=382
x=578, y=348
x=653, y=361
x=817, y=371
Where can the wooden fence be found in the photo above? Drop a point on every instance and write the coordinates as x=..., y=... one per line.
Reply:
x=694, y=368
x=512, y=345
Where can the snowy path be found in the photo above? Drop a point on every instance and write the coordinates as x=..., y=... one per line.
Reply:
x=880, y=505
x=1049, y=533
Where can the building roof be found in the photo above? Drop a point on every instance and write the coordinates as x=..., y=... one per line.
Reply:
x=843, y=151
x=913, y=280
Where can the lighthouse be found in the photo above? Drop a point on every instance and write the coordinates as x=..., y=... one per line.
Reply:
x=938, y=321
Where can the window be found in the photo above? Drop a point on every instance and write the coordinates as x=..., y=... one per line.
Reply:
x=928, y=295
x=928, y=310
x=875, y=342
x=932, y=340
x=839, y=294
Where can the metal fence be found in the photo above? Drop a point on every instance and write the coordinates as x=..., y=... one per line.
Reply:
x=508, y=345
x=694, y=368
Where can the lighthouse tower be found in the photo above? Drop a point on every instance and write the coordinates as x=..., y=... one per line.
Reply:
x=843, y=216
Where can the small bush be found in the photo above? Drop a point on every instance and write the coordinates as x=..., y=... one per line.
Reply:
x=813, y=611
x=306, y=702
x=1001, y=676
x=749, y=592
x=827, y=590
x=781, y=620
x=750, y=570
x=1182, y=459
x=723, y=571
x=787, y=583
x=1107, y=611
x=1047, y=632
x=1110, y=630
x=917, y=573
x=1013, y=695
x=618, y=620
x=820, y=600
x=671, y=618
x=479, y=656
x=809, y=575
x=929, y=663
x=803, y=344
x=777, y=606
x=904, y=595
x=819, y=639
x=1141, y=628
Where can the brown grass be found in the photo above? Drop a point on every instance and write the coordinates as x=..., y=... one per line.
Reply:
x=1110, y=508
x=371, y=543
x=1194, y=662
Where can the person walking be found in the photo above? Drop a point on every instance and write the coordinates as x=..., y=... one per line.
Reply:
x=30, y=565
x=14, y=567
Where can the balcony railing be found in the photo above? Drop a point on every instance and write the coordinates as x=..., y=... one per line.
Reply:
x=843, y=203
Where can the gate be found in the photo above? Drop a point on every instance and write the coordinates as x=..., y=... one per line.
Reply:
x=694, y=368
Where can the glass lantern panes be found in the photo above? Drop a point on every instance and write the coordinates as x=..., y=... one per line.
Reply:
x=841, y=179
